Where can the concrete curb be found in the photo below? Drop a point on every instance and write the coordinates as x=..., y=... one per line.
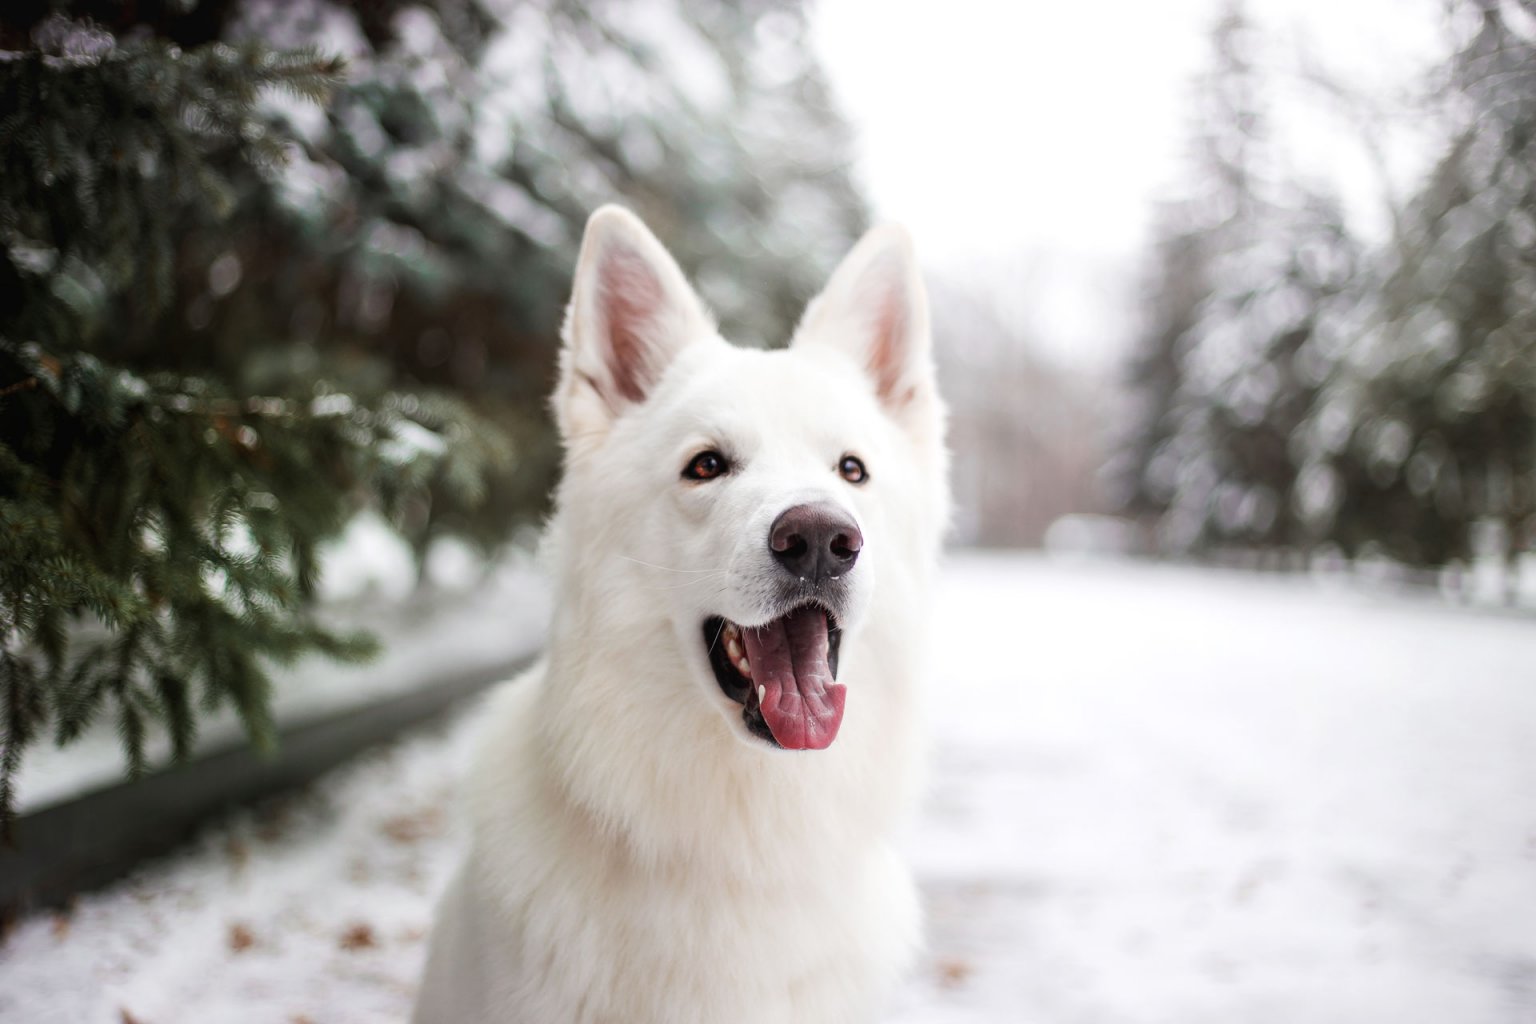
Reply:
x=86, y=842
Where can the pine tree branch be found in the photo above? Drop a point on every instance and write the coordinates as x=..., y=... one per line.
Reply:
x=21, y=385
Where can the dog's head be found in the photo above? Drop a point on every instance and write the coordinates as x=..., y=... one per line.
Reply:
x=759, y=501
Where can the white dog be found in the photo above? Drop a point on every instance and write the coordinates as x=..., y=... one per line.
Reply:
x=685, y=812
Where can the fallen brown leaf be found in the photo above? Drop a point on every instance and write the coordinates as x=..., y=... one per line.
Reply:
x=953, y=972
x=240, y=938
x=359, y=936
x=413, y=827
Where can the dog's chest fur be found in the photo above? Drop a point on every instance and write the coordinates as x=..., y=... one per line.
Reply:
x=756, y=920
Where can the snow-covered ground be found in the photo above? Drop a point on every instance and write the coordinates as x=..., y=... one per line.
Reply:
x=1159, y=795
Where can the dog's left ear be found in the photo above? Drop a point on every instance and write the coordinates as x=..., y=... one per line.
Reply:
x=875, y=309
x=631, y=312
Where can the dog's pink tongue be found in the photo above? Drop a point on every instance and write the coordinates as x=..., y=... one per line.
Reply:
x=801, y=704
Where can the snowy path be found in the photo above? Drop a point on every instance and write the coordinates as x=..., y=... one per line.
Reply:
x=1159, y=795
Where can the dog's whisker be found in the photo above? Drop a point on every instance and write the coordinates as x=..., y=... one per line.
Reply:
x=716, y=640
x=689, y=583
x=667, y=568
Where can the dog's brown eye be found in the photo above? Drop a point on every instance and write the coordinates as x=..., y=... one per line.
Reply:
x=706, y=466
x=852, y=469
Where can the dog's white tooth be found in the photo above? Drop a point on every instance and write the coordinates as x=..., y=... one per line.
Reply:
x=762, y=692
x=745, y=668
x=733, y=649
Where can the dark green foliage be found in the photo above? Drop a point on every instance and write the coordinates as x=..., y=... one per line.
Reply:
x=181, y=525
x=102, y=145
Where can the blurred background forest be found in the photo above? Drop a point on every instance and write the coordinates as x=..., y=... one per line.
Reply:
x=1299, y=390
x=1318, y=368
x=268, y=264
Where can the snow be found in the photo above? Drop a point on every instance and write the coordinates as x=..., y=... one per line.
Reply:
x=1159, y=794
x=1199, y=797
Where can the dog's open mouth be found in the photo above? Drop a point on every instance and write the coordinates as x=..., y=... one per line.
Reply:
x=783, y=674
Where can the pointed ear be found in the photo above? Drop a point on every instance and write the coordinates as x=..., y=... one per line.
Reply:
x=875, y=310
x=631, y=312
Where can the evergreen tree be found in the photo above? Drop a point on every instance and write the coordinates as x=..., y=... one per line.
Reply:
x=158, y=530
x=1433, y=417
x=1227, y=368
x=1258, y=366
x=1176, y=285
x=1383, y=403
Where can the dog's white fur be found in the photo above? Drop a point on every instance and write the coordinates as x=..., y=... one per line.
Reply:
x=637, y=855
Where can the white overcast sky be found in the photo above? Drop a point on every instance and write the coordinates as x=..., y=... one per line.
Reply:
x=1025, y=142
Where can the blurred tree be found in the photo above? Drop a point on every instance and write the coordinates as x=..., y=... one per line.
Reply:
x=229, y=315
x=1298, y=391
x=1176, y=285
x=1026, y=434
x=1427, y=440
x=1225, y=370
x=1257, y=366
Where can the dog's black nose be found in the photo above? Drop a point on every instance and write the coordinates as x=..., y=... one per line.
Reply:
x=815, y=542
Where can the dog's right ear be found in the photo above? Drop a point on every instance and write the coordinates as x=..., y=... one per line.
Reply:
x=875, y=310
x=631, y=312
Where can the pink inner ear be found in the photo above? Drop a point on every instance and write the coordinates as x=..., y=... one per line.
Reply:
x=630, y=298
x=887, y=350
